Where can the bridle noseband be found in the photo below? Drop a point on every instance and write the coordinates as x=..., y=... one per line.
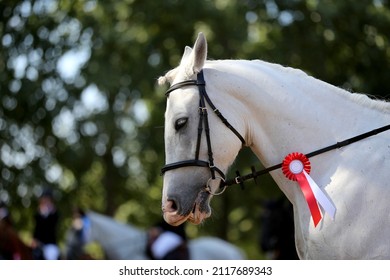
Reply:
x=203, y=121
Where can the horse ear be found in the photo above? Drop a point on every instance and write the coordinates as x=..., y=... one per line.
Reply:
x=197, y=56
x=192, y=60
x=186, y=55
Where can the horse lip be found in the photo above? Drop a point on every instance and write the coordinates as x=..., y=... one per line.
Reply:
x=197, y=216
x=175, y=220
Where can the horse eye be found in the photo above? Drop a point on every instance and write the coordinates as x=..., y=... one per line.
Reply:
x=180, y=123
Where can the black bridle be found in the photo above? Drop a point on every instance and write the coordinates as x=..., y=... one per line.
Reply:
x=203, y=121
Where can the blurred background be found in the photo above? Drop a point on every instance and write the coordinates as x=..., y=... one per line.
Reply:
x=81, y=114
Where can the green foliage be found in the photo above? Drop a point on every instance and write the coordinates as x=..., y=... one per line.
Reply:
x=80, y=110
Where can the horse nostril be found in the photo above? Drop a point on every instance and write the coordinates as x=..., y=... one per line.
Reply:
x=171, y=206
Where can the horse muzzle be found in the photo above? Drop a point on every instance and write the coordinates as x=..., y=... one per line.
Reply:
x=175, y=213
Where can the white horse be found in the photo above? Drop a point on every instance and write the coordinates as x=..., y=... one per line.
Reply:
x=121, y=241
x=280, y=110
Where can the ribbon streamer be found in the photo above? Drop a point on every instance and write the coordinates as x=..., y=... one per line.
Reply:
x=296, y=167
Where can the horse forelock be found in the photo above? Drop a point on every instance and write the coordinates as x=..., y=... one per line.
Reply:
x=168, y=77
x=175, y=75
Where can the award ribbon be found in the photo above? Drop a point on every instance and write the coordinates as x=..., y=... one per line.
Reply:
x=296, y=167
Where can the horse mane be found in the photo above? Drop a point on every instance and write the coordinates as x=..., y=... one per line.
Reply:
x=371, y=101
x=365, y=100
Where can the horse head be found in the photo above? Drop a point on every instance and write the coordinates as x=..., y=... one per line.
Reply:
x=193, y=130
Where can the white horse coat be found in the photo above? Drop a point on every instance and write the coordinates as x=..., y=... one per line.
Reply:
x=281, y=110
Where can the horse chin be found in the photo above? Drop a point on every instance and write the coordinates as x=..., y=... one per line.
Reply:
x=174, y=219
x=196, y=217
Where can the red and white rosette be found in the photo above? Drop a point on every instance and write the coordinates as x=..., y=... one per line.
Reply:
x=296, y=167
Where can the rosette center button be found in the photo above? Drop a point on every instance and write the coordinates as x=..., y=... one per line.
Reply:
x=296, y=166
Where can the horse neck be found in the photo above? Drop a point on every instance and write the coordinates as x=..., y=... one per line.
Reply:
x=284, y=110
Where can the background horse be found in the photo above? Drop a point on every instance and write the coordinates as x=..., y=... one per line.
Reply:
x=277, y=111
x=125, y=242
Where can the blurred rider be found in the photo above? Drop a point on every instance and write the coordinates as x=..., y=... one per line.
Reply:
x=46, y=223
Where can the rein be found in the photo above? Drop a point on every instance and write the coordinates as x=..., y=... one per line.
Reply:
x=238, y=180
